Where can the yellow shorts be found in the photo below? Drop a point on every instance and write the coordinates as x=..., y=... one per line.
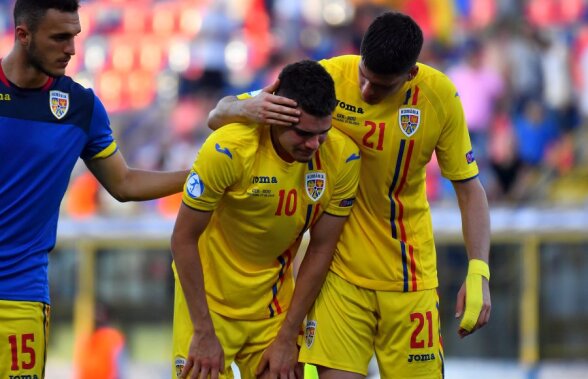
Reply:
x=24, y=327
x=243, y=341
x=348, y=324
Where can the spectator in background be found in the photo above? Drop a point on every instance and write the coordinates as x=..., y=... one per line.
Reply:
x=536, y=130
x=103, y=355
x=480, y=88
x=522, y=63
x=537, y=133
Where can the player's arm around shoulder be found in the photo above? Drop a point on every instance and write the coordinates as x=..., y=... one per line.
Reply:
x=129, y=184
x=257, y=107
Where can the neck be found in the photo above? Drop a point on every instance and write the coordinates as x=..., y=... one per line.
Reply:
x=21, y=73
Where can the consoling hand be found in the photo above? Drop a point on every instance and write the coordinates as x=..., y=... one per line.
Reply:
x=267, y=108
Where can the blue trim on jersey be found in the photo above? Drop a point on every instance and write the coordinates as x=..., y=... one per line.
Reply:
x=352, y=157
x=310, y=165
x=307, y=220
x=404, y=267
x=38, y=152
x=393, y=186
x=466, y=179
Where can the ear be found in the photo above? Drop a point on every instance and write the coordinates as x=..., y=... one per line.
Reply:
x=412, y=73
x=23, y=36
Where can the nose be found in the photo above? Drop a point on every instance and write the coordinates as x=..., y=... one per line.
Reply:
x=70, y=48
x=313, y=142
x=366, y=90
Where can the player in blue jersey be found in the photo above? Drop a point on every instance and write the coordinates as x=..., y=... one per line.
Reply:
x=47, y=122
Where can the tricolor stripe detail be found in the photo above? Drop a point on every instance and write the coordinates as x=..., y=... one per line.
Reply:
x=415, y=97
x=46, y=315
x=398, y=230
x=409, y=94
x=315, y=162
x=306, y=220
x=441, y=350
x=284, y=260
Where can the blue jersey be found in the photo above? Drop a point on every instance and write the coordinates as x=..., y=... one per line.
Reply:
x=42, y=134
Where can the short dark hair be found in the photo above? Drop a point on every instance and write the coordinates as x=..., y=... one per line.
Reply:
x=30, y=12
x=392, y=44
x=310, y=85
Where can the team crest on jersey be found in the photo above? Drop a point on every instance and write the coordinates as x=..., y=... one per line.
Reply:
x=309, y=333
x=315, y=184
x=59, y=103
x=410, y=119
x=179, y=363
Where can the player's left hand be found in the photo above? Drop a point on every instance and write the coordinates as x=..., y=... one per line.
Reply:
x=474, y=296
x=280, y=361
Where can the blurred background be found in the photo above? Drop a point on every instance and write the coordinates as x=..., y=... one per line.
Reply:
x=521, y=67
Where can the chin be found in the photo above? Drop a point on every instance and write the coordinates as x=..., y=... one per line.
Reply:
x=304, y=159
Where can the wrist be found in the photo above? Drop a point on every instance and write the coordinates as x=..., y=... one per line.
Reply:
x=478, y=266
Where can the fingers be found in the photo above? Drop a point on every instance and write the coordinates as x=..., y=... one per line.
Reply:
x=201, y=370
x=263, y=364
x=187, y=368
x=271, y=88
x=460, y=303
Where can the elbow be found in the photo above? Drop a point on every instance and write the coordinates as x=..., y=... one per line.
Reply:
x=120, y=196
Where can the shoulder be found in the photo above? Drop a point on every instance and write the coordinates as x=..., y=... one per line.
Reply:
x=341, y=65
x=435, y=81
x=339, y=145
x=235, y=139
x=78, y=92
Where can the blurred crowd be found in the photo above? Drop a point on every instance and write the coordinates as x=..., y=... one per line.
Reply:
x=520, y=66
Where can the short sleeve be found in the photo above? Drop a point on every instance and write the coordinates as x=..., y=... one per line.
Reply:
x=454, y=149
x=100, y=143
x=215, y=169
x=346, y=182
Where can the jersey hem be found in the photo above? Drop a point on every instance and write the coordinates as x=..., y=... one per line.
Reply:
x=386, y=285
x=331, y=365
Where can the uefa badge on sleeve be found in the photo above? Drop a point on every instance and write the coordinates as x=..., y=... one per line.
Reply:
x=309, y=333
x=58, y=103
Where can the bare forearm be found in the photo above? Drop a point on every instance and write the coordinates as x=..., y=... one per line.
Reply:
x=141, y=185
x=476, y=223
x=227, y=111
x=311, y=276
x=189, y=270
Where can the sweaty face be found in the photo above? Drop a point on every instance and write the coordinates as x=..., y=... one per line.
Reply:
x=51, y=46
x=375, y=87
x=299, y=142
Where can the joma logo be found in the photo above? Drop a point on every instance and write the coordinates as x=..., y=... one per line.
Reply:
x=420, y=357
x=349, y=107
x=264, y=179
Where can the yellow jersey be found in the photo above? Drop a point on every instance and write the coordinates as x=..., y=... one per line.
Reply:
x=387, y=243
x=262, y=207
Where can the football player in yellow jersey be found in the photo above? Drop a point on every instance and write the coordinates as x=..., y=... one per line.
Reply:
x=380, y=294
x=251, y=195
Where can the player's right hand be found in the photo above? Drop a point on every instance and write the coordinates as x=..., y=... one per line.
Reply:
x=267, y=108
x=205, y=357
